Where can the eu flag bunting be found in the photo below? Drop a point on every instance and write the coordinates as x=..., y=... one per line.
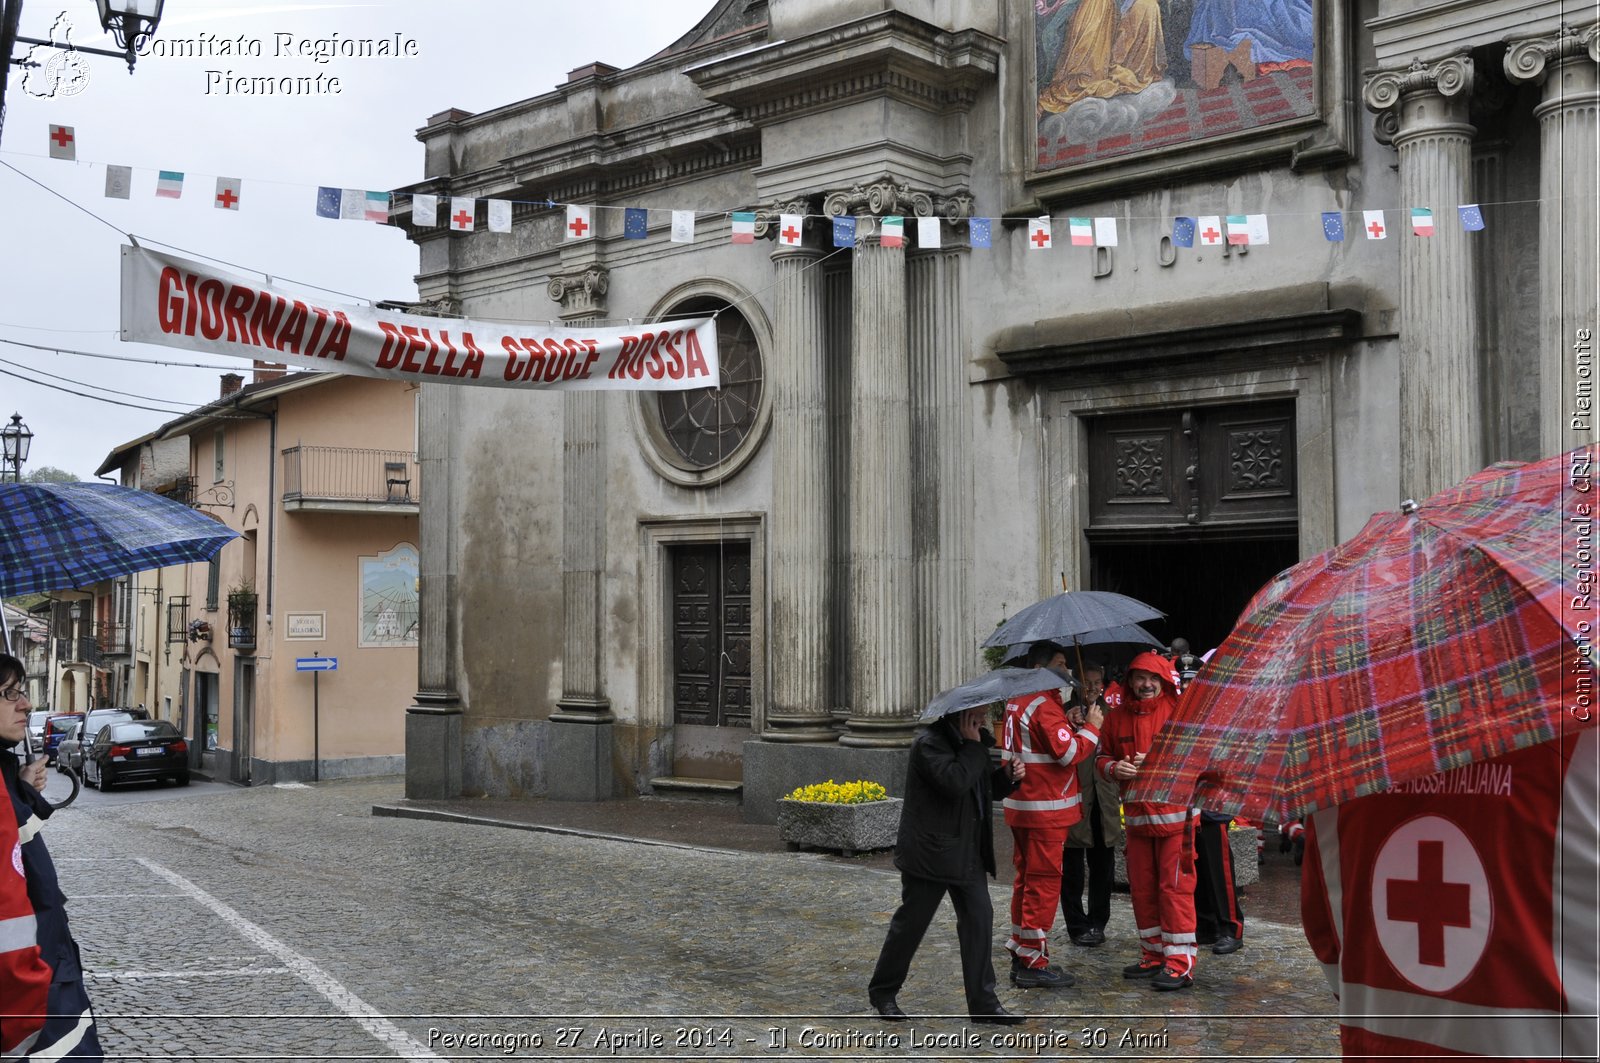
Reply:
x=635, y=220
x=1471, y=217
x=328, y=201
x=1333, y=225
x=978, y=232
x=1183, y=232
x=844, y=232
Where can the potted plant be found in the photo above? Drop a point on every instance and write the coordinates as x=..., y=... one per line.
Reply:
x=199, y=630
x=242, y=615
x=851, y=817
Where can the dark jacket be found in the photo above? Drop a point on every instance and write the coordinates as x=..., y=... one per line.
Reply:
x=947, y=824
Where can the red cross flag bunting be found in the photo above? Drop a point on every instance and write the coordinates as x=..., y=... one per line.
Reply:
x=579, y=227
x=63, y=143
x=1039, y=233
x=463, y=213
x=1209, y=231
x=227, y=197
x=1372, y=222
x=789, y=229
x=180, y=303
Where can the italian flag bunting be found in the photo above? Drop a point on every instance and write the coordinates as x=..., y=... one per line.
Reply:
x=1422, y=221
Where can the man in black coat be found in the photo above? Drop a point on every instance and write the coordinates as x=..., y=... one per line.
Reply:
x=946, y=845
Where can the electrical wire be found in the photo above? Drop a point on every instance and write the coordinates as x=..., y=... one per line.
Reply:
x=234, y=368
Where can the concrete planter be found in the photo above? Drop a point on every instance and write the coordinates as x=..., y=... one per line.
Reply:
x=1245, y=869
x=850, y=829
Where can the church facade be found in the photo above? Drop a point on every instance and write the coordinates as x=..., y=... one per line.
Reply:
x=760, y=586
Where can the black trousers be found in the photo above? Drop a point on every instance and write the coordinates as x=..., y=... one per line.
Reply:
x=919, y=900
x=1101, y=865
x=1216, y=895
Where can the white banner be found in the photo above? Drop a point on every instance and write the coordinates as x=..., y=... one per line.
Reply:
x=178, y=303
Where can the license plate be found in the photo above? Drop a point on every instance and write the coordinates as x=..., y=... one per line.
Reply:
x=149, y=751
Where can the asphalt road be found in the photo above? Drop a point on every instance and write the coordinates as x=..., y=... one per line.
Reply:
x=289, y=923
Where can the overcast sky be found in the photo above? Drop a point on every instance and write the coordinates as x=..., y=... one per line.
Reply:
x=59, y=267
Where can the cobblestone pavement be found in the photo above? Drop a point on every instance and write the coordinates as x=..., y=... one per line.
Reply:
x=290, y=922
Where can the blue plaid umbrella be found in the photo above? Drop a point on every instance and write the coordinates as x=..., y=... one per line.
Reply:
x=56, y=536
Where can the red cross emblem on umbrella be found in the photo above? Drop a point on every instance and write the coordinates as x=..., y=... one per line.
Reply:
x=1431, y=903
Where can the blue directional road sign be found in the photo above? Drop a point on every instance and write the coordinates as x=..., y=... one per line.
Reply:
x=316, y=664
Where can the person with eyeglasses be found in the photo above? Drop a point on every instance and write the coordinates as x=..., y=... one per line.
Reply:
x=69, y=1030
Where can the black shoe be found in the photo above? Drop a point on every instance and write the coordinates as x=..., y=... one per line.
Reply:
x=1090, y=938
x=1170, y=980
x=999, y=1016
x=1041, y=978
x=1226, y=944
x=889, y=1011
x=1142, y=970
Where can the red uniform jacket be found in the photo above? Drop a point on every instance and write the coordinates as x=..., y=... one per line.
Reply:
x=1129, y=729
x=24, y=975
x=1455, y=915
x=1036, y=732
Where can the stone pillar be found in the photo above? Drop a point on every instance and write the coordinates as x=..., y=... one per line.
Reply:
x=884, y=682
x=941, y=473
x=433, y=720
x=1569, y=115
x=579, y=764
x=802, y=503
x=1441, y=429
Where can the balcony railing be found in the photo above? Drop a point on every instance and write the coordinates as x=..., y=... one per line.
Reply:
x=112, y=638
x=242, y=620
x=373, y=478
x=83, y=648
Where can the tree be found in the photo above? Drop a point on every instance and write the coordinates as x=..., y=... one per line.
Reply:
x=49, y=474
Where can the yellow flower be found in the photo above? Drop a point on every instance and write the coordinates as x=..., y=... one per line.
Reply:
x=858, y=792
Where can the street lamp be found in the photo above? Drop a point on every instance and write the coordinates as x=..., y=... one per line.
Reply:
x=17, y=438
x=130, y=23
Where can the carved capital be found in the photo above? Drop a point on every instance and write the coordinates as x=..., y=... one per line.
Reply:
x=885, y=196
x=1451, y=76
x=582, y=291
x=767, y=217
x=1530, y=60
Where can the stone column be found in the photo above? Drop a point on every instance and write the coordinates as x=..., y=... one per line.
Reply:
x=1441, y=433
x=579, y=756
x=941, y=473
x=1568, y=116
x=884, y=667
x=433, y=720
x=802, y=504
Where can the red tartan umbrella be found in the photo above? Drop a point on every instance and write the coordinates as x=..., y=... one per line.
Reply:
x=1441, y=635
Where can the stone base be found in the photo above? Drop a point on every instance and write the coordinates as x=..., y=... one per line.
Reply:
x=850, y=829
x=578, y=766
x=433, y=754
x=773, y=769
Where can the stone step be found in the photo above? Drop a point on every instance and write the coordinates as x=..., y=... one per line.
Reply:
x=686, y=787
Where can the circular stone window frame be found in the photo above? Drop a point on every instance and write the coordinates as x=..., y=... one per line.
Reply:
x=657, y=449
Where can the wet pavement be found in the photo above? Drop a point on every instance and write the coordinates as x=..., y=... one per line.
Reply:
x=312, y=922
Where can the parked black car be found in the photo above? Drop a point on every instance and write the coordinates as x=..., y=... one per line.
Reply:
x=137, y=749
x=70, y=751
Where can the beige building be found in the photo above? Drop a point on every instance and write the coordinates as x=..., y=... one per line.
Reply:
x=762, y=586
x=318, y=474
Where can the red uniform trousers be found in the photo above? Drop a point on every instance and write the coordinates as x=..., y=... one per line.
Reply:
x=1036, y=854
x=1161, y=880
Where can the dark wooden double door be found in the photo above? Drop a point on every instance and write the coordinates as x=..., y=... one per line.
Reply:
x=711, y=634
x=1192, y=510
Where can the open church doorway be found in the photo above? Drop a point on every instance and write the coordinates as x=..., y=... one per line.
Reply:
x=1192, y=510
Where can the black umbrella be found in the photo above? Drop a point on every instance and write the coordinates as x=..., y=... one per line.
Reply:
x=1122, y=634
x=1062, y=616
x=998, y=685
